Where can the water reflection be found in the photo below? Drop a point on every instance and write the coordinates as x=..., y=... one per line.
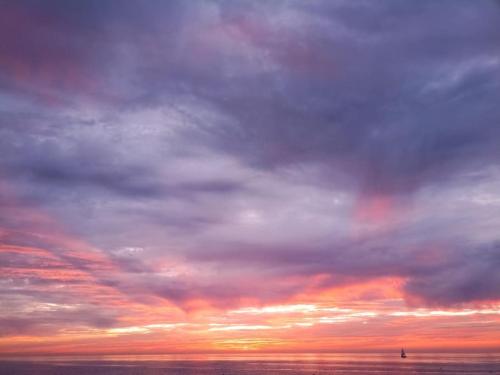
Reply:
x=265, y=364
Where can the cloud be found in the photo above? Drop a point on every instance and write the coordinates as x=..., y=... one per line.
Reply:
x=252, y=151
x=471, y=278
x=39, y=323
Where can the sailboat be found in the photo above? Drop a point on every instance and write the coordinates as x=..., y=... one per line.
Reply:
x=403, y=354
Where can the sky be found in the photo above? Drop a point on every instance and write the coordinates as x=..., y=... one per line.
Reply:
x=249, y=176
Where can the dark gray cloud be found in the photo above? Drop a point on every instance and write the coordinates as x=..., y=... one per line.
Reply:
x=286, y=138
x=402, y=99
x=470, y=277
x=44, y=322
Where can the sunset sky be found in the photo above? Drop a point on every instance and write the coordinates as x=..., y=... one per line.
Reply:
x=249, y=176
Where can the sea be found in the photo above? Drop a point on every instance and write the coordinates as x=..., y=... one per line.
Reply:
x=270, y=364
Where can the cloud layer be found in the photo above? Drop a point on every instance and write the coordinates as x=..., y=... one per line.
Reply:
x=215, y=155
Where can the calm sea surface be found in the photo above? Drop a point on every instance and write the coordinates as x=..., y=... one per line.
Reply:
x=320, y=364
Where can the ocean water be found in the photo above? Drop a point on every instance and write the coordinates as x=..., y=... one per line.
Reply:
x=275, y=364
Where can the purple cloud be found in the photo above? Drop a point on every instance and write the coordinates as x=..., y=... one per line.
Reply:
x=285, y=139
